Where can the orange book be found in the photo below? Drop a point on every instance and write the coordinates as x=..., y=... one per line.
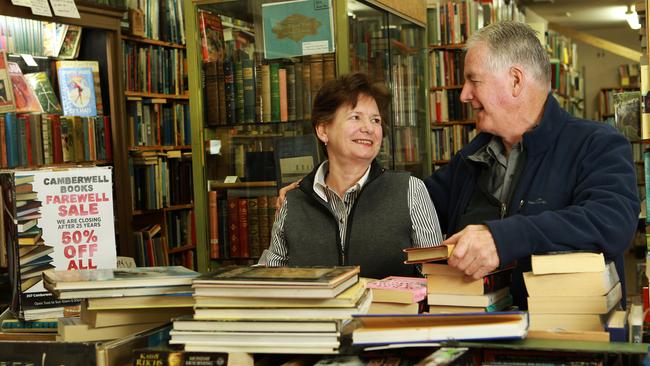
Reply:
x=284, y=105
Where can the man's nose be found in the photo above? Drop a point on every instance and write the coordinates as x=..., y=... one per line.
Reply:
x=465, y=93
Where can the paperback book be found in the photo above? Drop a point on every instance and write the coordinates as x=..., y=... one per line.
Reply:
x=7, y=102
x=77, y=89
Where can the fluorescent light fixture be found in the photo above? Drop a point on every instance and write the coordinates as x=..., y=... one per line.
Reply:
x=632, y=17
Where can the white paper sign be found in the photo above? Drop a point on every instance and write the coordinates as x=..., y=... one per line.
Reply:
x=29, y=60
x=27, y=3
x=65, y=8
x=41, y=7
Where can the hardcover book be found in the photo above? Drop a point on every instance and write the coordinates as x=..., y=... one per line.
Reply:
x=212, y=42
x=25, y=99
x=77, y=90
x=567, y=262
x=427, y=254
x=71, y=42
x=390, y=329
x=279, y=276
x=7, y=102
x=406, y=290
x=41, y=86
x=94, y=65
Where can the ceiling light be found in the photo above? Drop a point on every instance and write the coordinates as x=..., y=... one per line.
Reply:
x=632, y=17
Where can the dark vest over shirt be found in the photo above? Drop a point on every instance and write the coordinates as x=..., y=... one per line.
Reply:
x=379, y=227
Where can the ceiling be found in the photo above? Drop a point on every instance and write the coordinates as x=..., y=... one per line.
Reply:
x=581, y=15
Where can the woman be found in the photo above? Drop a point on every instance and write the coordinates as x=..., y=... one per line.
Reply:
x=350, y=210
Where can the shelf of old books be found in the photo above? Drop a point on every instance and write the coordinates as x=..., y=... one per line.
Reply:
x=159, y=134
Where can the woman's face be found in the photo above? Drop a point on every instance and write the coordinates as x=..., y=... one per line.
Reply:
x=355, y=134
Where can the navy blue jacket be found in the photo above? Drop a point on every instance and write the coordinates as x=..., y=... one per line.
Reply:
x=577, y=191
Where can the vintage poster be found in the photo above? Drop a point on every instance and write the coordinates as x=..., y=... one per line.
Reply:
x=55, y=219
x=297, y=28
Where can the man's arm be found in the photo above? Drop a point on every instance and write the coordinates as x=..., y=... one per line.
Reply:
x=602, y=216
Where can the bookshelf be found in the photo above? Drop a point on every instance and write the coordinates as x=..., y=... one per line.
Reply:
x=567, y=81
x=449, y=25
x=158, y=136
x=241, y=137
x=99, y=42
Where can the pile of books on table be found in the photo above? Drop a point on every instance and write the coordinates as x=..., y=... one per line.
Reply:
x=120, y=302
x=574, y=295
x=272, y=310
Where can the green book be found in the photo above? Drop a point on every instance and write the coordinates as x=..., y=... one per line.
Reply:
x=249, y=90
x=275, y=91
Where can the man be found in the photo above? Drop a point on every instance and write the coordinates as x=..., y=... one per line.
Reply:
x=535, y=179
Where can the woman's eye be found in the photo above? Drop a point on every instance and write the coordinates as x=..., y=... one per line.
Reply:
x=376, y=120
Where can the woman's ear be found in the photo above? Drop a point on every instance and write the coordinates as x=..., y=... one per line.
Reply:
x=321, y=132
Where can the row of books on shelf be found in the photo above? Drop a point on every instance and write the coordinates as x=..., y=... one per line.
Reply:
x=629, y=75
x=240, y=88
x=161, y=20
x=242, y=92
x=446, y=67
x=445, y=106
x=407, y=145
x=446, y=141
x=158, y=121
x=566, y=80
x=154, y=69
x=42, y=139
x=405, y=79
x=239, y=227
x=161, y=179
x=39, y=38
x=562, y=49
x=78, y=85
x=454, y=22
x=153, y=249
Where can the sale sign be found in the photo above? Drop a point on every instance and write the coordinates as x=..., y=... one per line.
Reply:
x=55, y=219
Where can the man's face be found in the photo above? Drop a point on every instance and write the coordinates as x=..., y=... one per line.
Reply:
x=488, y=91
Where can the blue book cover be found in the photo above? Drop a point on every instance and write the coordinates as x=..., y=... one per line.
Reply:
x=77, y=91
x=11, y=138
x=297, y=28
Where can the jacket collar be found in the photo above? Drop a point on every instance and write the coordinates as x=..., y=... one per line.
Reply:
x=536, y=140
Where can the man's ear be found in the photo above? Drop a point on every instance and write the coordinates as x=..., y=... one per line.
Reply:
x=517, y=79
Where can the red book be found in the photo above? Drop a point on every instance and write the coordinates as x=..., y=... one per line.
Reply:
x=233, y=227
x=57, y=150
x=244, y=245
x=213, y=225
x=3, y=143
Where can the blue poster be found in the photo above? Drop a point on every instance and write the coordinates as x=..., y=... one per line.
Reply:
x=297, y=28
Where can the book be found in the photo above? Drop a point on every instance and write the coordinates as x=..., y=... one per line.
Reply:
x=117, y=292
x=119, y=278
x=599, y=304
x=44, y=92
x=163, y=356
x=23, y=95
x=569, y=322
x=188, y=323
x=393, y=308
x=113, y=317
x=405, y=290
x=297, y=340
x=295, y=156
x=94, y=65
x=447, y=280
x=500, y=305
x=585, y=283
x=467, y=300
x=71, y=42
x=141, y=302
x=292, y=313
x=347, y=298
x=77, y=90
x=387, y=329
x=7, y=102
x=567, y=262
x=212, y=42
x=72, y=329
x=427, y=254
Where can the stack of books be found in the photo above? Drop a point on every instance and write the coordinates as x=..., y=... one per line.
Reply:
x=272, y=310
x=448, y=290
x=119, y=302
x=572, y=295
x=397, y=295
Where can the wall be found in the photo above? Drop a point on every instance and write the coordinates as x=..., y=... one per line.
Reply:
x=601, y=67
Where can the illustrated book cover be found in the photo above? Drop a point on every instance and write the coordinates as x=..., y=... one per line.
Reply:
x=42, y=88
x=405, y=290
x=7, y=102
x=77, y=89
x=25, y=99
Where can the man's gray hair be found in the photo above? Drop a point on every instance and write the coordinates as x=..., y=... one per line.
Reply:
x=513, y=43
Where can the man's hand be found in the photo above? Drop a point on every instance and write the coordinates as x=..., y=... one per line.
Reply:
x=282, y=194
x=475, y=253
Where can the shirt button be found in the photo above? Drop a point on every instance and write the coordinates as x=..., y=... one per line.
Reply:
x=341, y=221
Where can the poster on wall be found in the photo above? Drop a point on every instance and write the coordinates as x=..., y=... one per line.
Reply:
x=54, y=220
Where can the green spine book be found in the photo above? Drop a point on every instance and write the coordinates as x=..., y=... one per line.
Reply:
x=299, y=91
x=239, y=91
x=275, y=91
x=291, y=92
x=249, y=91
x=266, y=93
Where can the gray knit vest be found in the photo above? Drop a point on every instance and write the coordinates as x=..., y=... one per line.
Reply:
x=378, y=229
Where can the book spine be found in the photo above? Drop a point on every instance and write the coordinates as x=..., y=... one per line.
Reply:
x=213, y=217
x=233, y=227
x=266, y=93
x=274, y=69
x=230, y=92
x=282, y=83
x=248, y=85
x=239, y=91
x=244, y=244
